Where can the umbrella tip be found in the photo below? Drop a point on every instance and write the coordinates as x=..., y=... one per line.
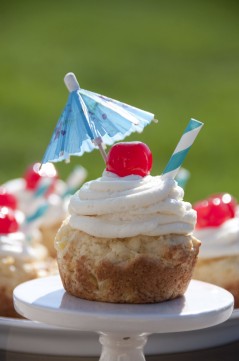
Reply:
x=71, y=82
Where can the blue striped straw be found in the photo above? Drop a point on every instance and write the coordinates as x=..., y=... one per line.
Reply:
x=182, y=149
x=40, y=211
x=43, y=187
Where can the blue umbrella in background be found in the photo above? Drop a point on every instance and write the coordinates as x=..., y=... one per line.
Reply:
x=89, y=121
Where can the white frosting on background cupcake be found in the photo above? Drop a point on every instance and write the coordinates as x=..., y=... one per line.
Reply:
x=18, y=246
x=219, y=241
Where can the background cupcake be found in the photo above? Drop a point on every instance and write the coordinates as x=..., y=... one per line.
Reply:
x=43, y=198
x=22, y=257
x=57, y=208
x=218, y=229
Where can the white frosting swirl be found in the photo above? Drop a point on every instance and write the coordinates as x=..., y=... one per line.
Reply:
x=16, y=245
x=219, y=241
x=113, y=206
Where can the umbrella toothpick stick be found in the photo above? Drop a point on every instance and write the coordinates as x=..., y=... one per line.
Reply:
x=73, y=85
x=99, y=143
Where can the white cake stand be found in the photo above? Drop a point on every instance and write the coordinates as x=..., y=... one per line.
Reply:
x=123, y=328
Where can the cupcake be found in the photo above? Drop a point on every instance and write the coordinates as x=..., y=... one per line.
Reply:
x=57, y=208
x=218, y=229
x=37, y=194
x=128, y=237
x=43, y=198
x=21, y=259
x=31, y=189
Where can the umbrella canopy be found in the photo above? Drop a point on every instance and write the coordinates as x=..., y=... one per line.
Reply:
x=90, y=119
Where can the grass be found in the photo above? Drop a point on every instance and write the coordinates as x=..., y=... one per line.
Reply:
x=177, y=59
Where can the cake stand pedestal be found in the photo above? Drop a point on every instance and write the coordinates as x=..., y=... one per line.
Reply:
x=123, y=328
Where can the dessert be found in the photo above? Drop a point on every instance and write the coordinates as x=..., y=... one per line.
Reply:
x=34, y=188
x=218, y=229
x=22, y=258
x=57, y=205
x=128, y=238
x=38, y=197
x=43, y=198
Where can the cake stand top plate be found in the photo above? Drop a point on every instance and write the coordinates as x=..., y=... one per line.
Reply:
x=45, y=300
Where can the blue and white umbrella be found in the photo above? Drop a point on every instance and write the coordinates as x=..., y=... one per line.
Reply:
x=89, y=121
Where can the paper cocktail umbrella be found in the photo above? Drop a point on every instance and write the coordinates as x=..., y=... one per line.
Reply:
x=89, y=121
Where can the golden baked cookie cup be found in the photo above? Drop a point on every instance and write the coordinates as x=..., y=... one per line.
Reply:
x=139, y=269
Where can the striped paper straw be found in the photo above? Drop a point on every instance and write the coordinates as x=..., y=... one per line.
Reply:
x=39, y=212
x=182, y=149
x=43, y=187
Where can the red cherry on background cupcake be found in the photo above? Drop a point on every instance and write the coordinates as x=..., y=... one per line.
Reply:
x=215, y=210
x=129, y=158
x=8, y=222
x=7, y=199
x=34, y=174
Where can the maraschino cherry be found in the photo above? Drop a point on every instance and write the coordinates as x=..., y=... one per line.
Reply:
x=34, y=174
x=8, y=222
x=7, y=199
x=215, y=210
x=128, y=158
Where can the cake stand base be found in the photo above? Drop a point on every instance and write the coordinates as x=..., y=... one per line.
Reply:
x=123, y=328
x=122, y=348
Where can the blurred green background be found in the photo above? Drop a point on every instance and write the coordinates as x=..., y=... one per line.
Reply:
x=176, y=59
